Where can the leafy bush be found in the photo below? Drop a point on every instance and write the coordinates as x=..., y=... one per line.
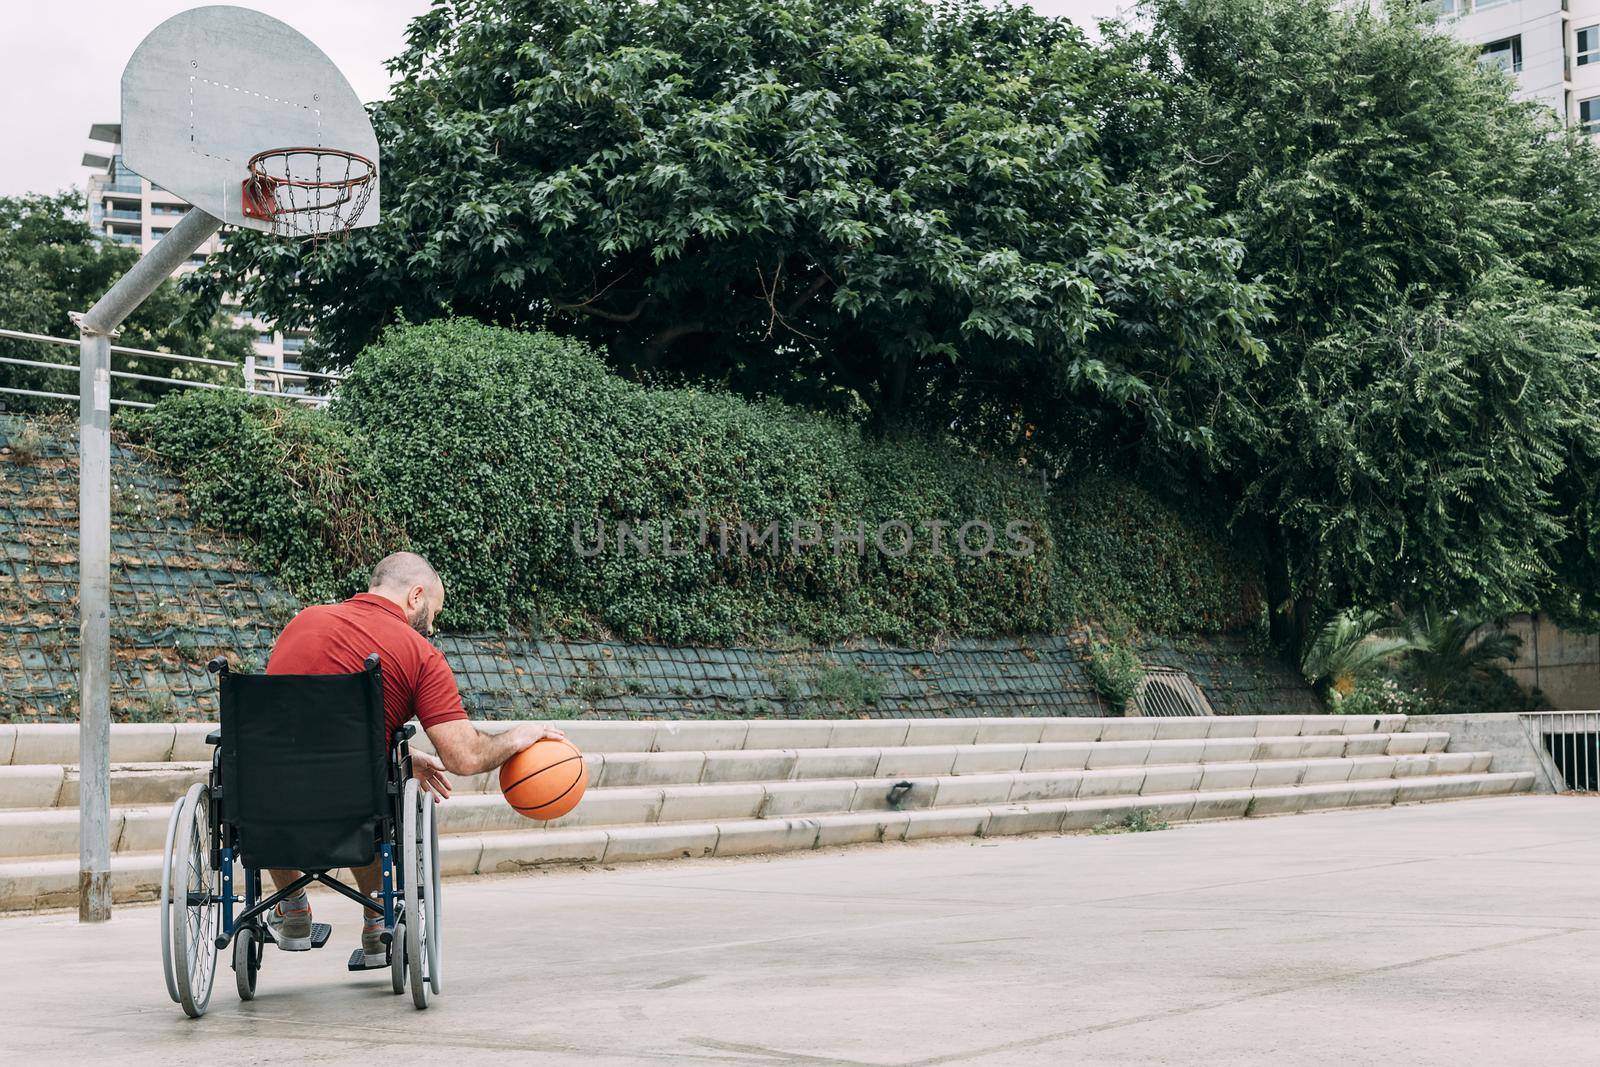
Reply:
x=1380, y=694
x=850, y=688
x=499, y=454
x=1493, y=691
x=1115, y=672
x=1130, y=557
x=23, y=442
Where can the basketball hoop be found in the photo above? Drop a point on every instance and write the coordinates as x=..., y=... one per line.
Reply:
x=308, y=192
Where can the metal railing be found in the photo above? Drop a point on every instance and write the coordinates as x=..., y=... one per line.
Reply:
x=257, y=380
x=1569, y=744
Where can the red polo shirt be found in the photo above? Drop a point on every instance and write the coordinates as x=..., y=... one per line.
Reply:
x=337, y=639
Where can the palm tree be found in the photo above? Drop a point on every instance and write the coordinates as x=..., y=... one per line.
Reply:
x=1444, y=653
x=1348, y=645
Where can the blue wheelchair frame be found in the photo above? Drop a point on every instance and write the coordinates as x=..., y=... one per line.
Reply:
x=224, y=847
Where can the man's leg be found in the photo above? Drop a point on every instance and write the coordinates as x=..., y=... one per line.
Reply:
x=369, y=880
x=290, y=921
x=282, y=879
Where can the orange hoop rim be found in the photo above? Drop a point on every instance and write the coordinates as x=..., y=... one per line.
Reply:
x=268, y=183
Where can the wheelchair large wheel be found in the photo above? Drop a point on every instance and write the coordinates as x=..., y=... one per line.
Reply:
x=193, y=903
x=417, y=847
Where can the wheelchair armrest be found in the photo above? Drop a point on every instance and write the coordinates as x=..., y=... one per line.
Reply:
x=214, y=737
x=405, y=733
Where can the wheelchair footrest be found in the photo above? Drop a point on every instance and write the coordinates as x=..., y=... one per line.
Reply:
x=320, y=932
x=361, y=961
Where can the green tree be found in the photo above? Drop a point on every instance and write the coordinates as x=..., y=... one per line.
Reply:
x=52, y=265
x=1425, y=424
x=883, y=205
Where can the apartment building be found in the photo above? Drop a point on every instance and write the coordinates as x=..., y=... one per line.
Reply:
x=132, y=210
x=1552, y=47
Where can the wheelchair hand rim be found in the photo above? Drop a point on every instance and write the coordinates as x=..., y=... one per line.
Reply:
x=194, y=939
x=435, y=929
x=166, y=899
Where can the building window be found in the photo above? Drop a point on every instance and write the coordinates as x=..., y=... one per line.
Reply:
x=1588, y=45
x=1505, y=54
x=1589, y=114
x=1484, y=5
x=1449, y=7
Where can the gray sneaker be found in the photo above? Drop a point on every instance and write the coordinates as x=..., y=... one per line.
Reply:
x=290, y=924
x=372, y=946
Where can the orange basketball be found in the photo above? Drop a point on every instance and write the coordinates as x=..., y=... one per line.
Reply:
x=545, y=780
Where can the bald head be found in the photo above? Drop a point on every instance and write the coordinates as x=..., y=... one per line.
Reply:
x=412, y=583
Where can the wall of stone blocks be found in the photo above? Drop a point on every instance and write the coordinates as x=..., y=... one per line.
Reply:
x=182, y=594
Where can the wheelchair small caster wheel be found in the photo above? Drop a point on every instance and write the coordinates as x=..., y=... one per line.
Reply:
x=397, y=960
x=247, y=954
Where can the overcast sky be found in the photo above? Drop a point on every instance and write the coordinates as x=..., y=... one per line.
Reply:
x=61, y=66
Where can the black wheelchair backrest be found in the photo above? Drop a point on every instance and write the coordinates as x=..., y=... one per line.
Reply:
x=305, y=767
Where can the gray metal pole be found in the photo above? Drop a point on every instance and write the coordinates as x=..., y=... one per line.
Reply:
x=94, y=550
x=155, y=267
x=94, y=627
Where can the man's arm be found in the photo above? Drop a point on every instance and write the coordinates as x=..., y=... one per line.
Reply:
x=466, y=750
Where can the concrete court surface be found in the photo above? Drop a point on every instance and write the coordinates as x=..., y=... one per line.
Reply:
x=1461, y=933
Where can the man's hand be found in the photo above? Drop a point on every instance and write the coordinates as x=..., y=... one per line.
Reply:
x=429, y=772
x=525, y=735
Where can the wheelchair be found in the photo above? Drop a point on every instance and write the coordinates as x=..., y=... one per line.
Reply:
x=301, y=778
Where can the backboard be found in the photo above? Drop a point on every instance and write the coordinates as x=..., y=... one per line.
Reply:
x=212, y=87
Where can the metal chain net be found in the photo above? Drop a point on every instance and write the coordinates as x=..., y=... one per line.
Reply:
x=311, y=192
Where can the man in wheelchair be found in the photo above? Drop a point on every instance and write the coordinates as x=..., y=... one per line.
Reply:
x=313, y=773
x=392, y=618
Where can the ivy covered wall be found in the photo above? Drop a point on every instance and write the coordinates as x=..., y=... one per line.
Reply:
x=555, y=496
x=183, y=593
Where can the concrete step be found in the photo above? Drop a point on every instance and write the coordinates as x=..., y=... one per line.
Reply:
x=40, y=785
x=34, y=743
x=52, y=882
x=37, y=785
x=57, y=743
x=744, y=765
x=44, y=831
